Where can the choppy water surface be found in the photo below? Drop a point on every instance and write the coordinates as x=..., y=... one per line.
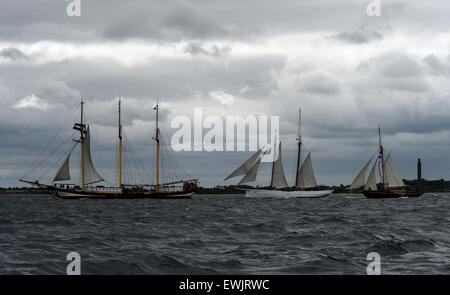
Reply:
x=225, y=235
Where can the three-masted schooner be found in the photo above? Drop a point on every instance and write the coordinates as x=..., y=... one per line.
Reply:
x=391, y=186
x=305, y=181
x=90, y=176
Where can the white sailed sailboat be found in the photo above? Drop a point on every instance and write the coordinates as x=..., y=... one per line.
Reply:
x=391, y=184
x=305, y=181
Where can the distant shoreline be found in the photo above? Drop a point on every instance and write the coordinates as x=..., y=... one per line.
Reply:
x=428, y=186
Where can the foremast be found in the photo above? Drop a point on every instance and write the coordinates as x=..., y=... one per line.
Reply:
x=81, y=127
x=120, y=145
x=156, y=138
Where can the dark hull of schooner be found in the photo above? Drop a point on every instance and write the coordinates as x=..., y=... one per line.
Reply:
x=129, y=196
x=189, y=188
x=382, y=194
x=388, y=194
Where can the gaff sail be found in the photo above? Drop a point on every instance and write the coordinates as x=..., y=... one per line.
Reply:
x=391, y=176
x=278, y=178
x=306, y=178
x=91, y=175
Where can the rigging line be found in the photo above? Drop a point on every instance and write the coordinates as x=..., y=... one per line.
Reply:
x=139, y=169
x=129, y=156
x=53, y=152
x=183, y=171
x=129, y=160
x=28, y=172
x=132, y=161
x=98, y=115
x=134, y=153
x=62, y=143
x=128, y=170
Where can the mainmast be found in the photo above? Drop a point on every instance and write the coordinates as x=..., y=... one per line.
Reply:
x=157, y=147
x=299, y=142
x=120, y=144
x=82, y=128
x=381, y=155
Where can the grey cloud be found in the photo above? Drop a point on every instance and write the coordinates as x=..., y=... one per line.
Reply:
x=321, y=83
x=13, y=53
x=436, y=66
x=196, y=48
x=361, y=36
x=163, y=21
x=395, y=71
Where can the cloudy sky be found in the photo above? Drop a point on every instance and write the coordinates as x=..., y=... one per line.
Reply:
x=349, y=72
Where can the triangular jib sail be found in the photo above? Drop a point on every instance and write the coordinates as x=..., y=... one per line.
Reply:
x=278, y=177
x=306, y=178
x=90, y=174
x=251, y=175
x=358, y=182
x=245, y=168
x=64, y=171
x=371, y=183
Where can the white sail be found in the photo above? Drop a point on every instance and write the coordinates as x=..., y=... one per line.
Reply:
x=64, y=171
x=278, y=177
x=371, y=183
x=359, y=180
x=244, y=168
x=90, y=174
x=306, y=178
x=251, y=175
x=391, y=176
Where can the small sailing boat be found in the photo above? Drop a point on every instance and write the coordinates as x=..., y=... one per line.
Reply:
x=391, y=186
x=89, y=175
x=305, y=181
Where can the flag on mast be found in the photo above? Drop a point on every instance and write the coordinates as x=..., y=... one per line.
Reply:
x=380, y=164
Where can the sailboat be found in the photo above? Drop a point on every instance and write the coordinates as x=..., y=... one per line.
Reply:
x=391, y=186
x=305, y=181
x=90, y=176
